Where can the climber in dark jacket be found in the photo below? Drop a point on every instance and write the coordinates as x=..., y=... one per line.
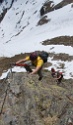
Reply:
x=59, y=77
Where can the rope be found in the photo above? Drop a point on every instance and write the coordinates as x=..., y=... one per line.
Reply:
x=4, y=98
x=8, y=86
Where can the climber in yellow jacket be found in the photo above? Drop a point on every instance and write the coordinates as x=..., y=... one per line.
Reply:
x=35, y=60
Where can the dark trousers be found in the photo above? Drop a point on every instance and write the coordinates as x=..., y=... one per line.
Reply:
x=59, y=80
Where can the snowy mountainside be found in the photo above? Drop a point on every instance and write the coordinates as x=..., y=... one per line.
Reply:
x=20, y=32
x=19, y=26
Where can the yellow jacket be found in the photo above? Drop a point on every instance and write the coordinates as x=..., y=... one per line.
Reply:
x=38, y=62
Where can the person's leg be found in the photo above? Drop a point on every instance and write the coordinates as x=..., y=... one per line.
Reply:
x=27, y=66
x=40, y=73
x=59, y=80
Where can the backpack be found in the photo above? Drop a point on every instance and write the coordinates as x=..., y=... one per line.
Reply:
x=44, y=55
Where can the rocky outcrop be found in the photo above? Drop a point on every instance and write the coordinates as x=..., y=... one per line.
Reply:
x=26, y=101
x=50, y=6
x=1, y=1
x=4, y=9
x=3, y=14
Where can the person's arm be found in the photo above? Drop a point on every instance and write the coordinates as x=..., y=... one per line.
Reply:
x=35, y=70
x=23, y=60
x=58, y=77
x=20, y=61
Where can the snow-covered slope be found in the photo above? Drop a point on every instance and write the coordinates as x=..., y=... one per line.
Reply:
x=19, y=28
x=20, y=33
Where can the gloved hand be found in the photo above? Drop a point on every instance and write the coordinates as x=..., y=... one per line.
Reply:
x=12, y=64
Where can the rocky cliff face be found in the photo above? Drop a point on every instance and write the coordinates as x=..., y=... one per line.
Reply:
x=5, y=5
x=49, y=6
x=26, y=101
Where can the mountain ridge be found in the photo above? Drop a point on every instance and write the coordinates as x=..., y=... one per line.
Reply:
x=23, y=99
